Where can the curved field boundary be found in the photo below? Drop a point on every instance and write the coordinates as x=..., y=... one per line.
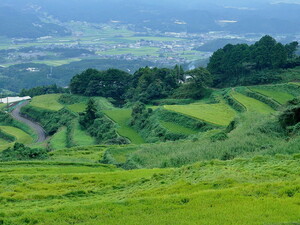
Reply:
x=122, y=117
x=20, y=136
x=219, y=114
x=277, y=96
x=251, y=104
x=233, y=103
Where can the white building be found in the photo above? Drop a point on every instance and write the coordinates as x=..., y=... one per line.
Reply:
x=13, y=99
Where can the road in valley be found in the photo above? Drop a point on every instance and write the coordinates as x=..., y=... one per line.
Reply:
x=35, y=126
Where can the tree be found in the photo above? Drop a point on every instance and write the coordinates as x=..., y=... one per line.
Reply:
x=90, y=114
x=278, y=56
x=291, y=49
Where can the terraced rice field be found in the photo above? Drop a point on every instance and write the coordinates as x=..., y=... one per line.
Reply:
x=252, y=104
x=49, y=102
x=20, y=135
x=122, y=118
x=177, y=129
x=280, y=97
x=219, y=114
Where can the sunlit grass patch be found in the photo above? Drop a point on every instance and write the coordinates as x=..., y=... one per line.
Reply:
x=281, y=97
x=49, y=102
x=177, y=129
x=220, y=114
x=58, y=140
x=252, y=104
x=20, y=135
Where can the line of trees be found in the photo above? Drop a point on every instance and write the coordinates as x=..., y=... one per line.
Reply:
x=145, y=85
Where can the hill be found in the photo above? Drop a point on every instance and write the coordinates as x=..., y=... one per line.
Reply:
x=239, y=149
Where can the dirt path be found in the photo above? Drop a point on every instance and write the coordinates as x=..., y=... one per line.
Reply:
x=35, y=126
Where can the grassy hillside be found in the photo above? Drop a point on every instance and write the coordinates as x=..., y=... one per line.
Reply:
x=247, y=173
x=211, y=192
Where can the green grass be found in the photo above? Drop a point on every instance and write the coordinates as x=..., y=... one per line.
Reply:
x=122, y=118
x=245, y=192
x=20, y=135
x=219, y=114
x=251, y=104
x=58, y=140
x=81, y=154
x=281, y=97
x=49, y=102
x=77, y=107
x=103, y=103
x=3, y=142
x=2, y=105
x=81, y=137
x=295, y=83
x=177, y=129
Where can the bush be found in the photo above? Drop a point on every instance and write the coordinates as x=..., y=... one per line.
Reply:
x=21, y=152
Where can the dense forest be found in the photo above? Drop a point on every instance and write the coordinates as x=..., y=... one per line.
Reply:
x=243, y=64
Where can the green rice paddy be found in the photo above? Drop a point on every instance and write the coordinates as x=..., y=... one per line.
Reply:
x=219, y=114
x=252, y=104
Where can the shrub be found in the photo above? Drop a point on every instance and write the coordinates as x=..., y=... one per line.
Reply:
x=21, y=152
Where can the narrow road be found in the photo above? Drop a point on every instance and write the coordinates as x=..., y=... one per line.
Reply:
x=35, y=126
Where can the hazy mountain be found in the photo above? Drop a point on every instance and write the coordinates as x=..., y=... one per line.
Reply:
x=21, y=17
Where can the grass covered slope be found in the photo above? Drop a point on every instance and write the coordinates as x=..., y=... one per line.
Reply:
x=122, y=118
x=279, y=96
x=252, y=104
x=20, y=136
x=49, y=102
x=261, y=190
x=219, y=114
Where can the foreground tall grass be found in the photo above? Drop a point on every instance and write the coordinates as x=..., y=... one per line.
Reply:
x=261, y=190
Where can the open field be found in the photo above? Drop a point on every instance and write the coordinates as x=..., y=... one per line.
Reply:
x=252, y=104
x=213, y=192
x=219, y=114
x=20, y=135
x=81, y=137
x=58, y=140
x=49, y=102
x=177, y=129
x=122, y=118
x=281, y=97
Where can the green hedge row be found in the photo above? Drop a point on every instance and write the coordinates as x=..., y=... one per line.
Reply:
x=233, y=103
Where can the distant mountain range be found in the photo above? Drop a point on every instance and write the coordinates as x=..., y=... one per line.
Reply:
x=21, y=18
